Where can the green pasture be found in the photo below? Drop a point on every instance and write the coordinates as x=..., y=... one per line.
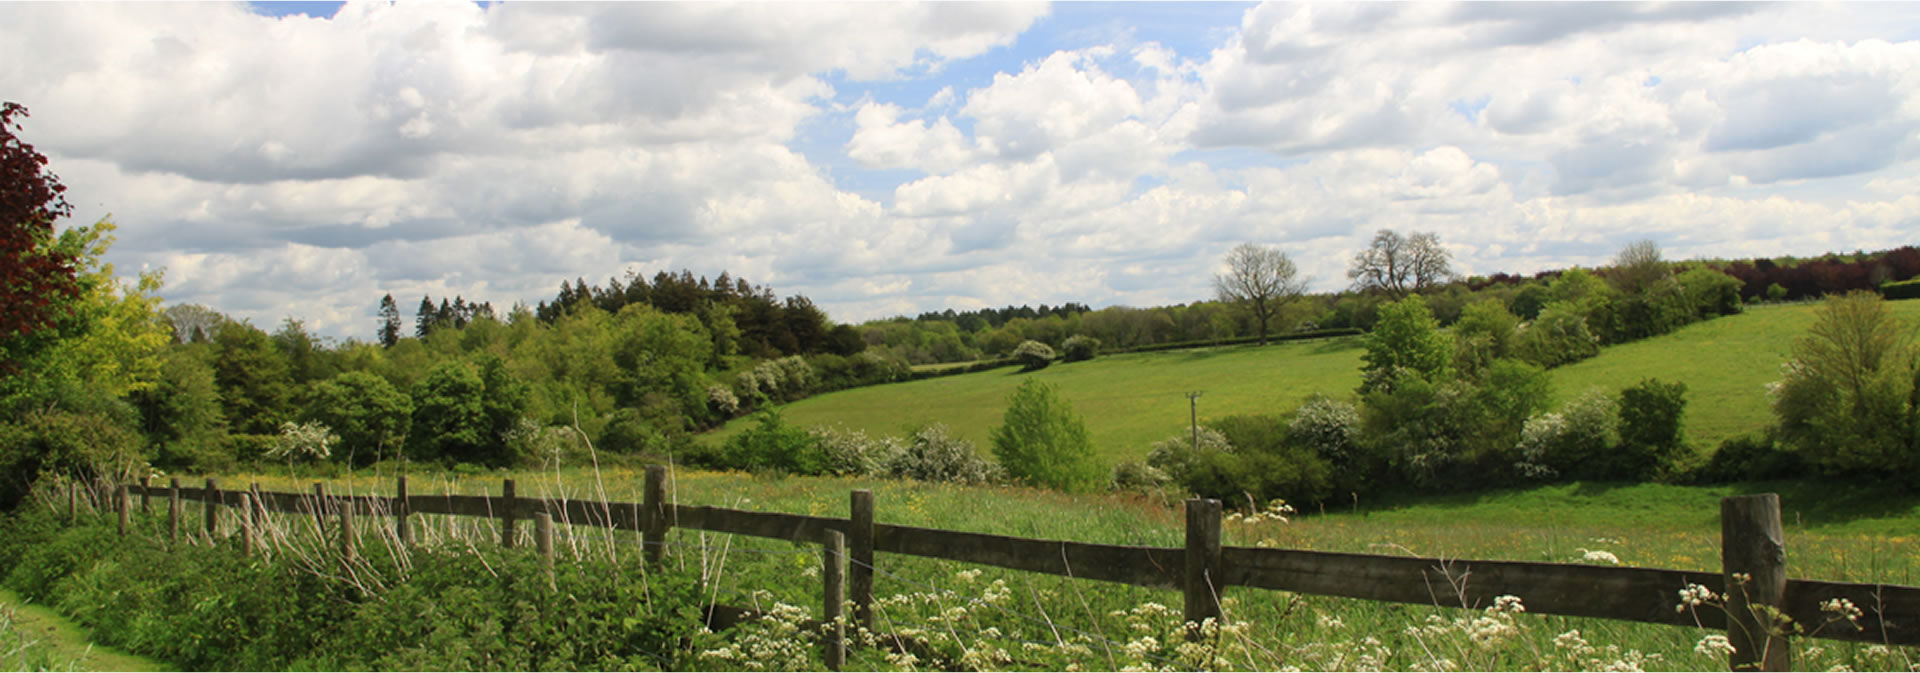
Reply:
x=1130, y=401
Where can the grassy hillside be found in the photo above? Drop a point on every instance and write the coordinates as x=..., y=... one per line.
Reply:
x=1726, y=364
x=1129, y=400
x=1132, y=400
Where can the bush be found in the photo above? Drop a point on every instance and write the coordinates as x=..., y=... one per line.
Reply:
x=849, y=453
x=1559, y=336
x=1042, y=442
x=1137, y=476
x=1033, y=355
x=772, y=445
x=1776, y=292
x=1650, y=427
x=1711, y=292
x=1906, y=289
x=1177, y=454
x=1080, y=347
x=1749, y=458
x=1328, y=426
x=1407, y=339
x=1573, y=442
x=931, y=454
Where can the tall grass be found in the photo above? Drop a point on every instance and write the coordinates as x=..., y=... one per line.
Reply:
x=989, y=618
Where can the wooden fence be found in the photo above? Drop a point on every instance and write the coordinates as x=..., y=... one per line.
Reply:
x=1752, y=541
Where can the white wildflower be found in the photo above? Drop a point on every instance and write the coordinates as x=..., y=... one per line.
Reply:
x=1714, y=645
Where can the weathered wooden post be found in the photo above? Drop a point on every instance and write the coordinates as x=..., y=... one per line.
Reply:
x=833, y=574
x=400, y=510
x=146, y=495
x=346, y=528
x=656, y=523
x=246, y=525
x=320, y=510
x=509, y=509
x=120, y=503
x=258, y=509
x=212, y=502
x=860, y=546
x=173, y=509
x=1203, y=578
x=1753, y=558
x=543, y=537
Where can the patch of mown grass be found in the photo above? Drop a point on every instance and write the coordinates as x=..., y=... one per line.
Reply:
x=35, y=638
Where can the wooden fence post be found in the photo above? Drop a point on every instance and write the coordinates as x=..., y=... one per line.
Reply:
x=543, y=536
x=656, y=522
x=246, y=525
x=120, y=503
x=320, y=510
x=860, y=546
x=510, y=509
x=833, y=574
x=145, y=496
x=400, y=510
x=1753, y=557
x=173, y=509
x=1203, y=587
x=346, y=528
x=257, y=510
x=212, y=502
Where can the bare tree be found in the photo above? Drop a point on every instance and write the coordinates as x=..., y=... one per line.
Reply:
x=1638, y=267
x=1401, y=265
x=1261, y=278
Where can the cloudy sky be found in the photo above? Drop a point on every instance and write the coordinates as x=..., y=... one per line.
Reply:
x=881, y=158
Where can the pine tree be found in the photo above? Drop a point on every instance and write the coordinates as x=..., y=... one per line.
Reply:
x=423, y=320
x=389, y=321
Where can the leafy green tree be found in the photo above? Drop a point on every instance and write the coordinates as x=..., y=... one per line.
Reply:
x=1849, y=402
x=1406, y=338
x=182, y=414
x=1651, y=420
x=1041, y=441
x=255, y=384
x=449, y=415
x=1485, y=332
x=368, y=413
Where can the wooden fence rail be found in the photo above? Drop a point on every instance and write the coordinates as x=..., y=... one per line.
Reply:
x=1753, y=551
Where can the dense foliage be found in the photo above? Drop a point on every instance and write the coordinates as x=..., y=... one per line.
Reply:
x=1042, y=442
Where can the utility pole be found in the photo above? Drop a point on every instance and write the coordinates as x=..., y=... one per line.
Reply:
x=1193, y=419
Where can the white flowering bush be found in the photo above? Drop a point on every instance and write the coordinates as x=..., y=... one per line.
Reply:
x=304, y=441
x=933, y=454
x=1328, y=426
x=1569, y=442
x=723, y=400
x=855, y=453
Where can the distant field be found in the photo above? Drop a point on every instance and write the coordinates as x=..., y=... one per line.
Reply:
x=1726, y=364
x=1130, y=401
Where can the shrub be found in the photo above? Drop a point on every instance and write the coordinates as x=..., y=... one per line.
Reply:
x=723, y=400
x=1572, y=442
x=772, y=445
x=1080, y=347
x=1650, y=425
x=931, y=454
x=1776, y=292
x=1906, y=289
x=1559, y=336
x=853, y=453
x=1041, y=441
x=1033, y=355
x=1327, y=426
x=1528, y=301
x=1711, y=292
x=1176, y=455
x=1749, y=458
x=1137, y=476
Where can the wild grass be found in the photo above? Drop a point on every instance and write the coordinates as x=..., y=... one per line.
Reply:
x=1007, y=619
x=35, y=638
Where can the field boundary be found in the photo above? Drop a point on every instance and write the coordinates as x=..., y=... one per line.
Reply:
x=1753, y=561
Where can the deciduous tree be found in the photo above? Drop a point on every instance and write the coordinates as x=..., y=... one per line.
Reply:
x=1401, y=265
x=1261, y=279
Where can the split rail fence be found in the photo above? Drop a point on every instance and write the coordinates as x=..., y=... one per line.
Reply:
x=1753, y=556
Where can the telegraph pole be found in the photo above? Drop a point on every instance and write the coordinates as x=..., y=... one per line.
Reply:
x=1193, y=419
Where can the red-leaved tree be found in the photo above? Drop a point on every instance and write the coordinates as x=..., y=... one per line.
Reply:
x=35, y=279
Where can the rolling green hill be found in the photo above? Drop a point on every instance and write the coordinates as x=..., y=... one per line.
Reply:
x=1130, y=401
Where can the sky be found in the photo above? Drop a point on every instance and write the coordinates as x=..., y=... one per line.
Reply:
x=303, y=159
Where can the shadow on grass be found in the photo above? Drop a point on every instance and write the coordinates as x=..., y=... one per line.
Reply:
x=1824, y=503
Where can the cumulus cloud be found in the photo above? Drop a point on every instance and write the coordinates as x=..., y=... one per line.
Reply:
x=297, y=166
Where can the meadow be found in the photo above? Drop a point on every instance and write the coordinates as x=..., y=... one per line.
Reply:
x=1834, y=532
x=1131, y=400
